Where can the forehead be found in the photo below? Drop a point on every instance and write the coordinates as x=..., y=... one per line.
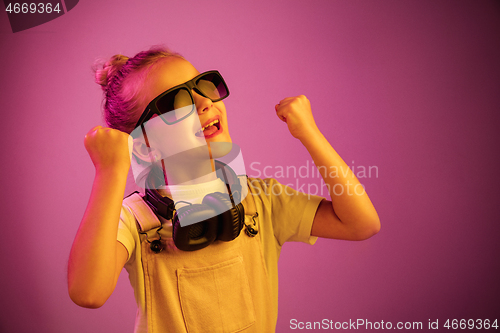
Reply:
x=166, y=74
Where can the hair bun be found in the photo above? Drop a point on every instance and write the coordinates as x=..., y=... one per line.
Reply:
x=104, y=75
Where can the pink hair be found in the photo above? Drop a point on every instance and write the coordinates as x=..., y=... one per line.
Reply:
x=121, y=79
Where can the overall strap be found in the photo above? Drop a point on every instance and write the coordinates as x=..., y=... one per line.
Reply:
x=250, y=208
x=144, y=216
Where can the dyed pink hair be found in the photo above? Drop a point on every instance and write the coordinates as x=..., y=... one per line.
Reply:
x=121, y=79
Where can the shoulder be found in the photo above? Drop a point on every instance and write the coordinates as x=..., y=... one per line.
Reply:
x=263, y=186
x=277, y=196
x=289, y=211
x=129, y=205
x=140, y=211
x=272, y=188
x=127, y=217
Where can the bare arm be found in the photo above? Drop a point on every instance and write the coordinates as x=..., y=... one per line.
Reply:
x=96, y=257
x=350, y=215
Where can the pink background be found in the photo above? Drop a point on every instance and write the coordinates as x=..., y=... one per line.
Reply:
x=411, y=87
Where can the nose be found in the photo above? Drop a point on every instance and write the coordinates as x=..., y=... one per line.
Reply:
x=203, y=104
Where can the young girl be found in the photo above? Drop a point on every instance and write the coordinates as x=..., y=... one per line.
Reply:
x=224, y=285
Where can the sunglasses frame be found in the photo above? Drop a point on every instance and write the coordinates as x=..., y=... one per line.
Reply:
x=190, y=85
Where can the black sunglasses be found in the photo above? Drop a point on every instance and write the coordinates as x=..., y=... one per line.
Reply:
x=177, y=103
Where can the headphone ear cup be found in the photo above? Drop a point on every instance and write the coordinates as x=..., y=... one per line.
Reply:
x=200, y=231
x=230, y=218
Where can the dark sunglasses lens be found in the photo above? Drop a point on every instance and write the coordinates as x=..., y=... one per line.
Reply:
x=212, y=85
x=175, y=106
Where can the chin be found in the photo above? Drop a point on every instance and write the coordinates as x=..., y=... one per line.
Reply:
x=220, y=138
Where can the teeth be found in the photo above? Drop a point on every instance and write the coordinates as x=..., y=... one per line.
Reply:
x=208, y=125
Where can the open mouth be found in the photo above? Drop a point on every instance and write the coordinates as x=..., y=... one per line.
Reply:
x=209, y=130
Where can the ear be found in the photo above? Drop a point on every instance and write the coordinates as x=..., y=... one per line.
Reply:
x=144, y=153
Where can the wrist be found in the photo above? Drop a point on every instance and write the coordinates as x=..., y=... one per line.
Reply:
x=311, y=138
x=115, y=172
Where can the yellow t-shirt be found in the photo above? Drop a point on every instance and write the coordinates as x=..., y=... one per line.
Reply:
x=283, y=215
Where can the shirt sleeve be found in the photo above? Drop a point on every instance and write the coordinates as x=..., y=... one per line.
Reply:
x=292, y=212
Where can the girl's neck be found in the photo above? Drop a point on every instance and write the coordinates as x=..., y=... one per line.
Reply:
x=189, y=173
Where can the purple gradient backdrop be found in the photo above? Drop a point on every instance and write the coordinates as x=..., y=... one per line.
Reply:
x=411, y=87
